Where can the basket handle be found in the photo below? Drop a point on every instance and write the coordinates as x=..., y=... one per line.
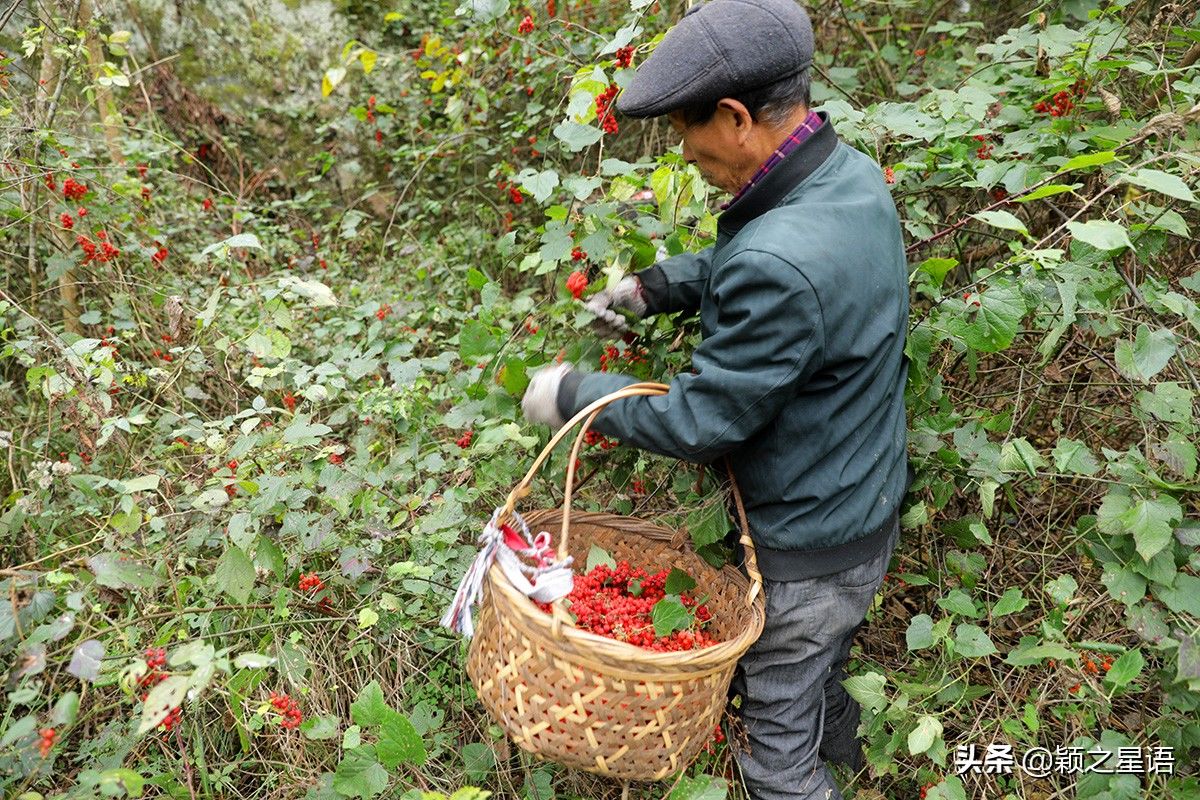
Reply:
x=588, y=415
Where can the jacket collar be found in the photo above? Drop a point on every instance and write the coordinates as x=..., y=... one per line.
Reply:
x=783, y=177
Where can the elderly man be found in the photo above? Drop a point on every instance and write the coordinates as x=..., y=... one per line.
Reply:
x=799, y=379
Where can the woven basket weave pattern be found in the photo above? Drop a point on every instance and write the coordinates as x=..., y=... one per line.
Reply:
x=591, y=702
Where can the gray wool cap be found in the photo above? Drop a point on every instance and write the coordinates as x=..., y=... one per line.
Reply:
x=720, y=49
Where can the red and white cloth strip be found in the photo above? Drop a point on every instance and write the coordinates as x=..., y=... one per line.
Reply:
x=544, y=581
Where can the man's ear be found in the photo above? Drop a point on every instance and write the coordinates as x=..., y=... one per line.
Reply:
x=739, y=117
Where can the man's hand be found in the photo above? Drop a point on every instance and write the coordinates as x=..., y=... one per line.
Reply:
x=626, y=295
x=540, y=403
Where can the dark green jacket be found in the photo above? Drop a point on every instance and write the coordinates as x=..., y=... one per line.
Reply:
x=800, y=376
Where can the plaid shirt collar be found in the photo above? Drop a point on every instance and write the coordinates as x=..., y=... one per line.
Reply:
x=796, y=138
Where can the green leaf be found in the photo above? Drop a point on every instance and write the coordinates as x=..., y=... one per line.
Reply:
x=951, y=788
x=484, y=10
x=678, y=582
x=539, y=184
x=118, y=781
x=146, y=483
x=1183, y=597
x=1147, y=355
x=701, y=787
x=707, y=524
x=1062, y=589
x=66, y=709
x=577, y=136
x=163, y=697
x=1124, y=585
x=920, y=632
x=1151, y=521
x=868, y=690
x=597, y=556
x=1024, y=655
x=367, y=617
x=971, y=641
x=1101, y=234
x=1125, y=669
x=937, y=268
x=670, y=615
x=369, y=708
x=922, y=737
x=318, y=294
x=118, y=571
x=1074, y=457
x=959, y=602
x=320, y=728
x=477, y=341
x=399, y=742
x=234, y=574
x=302, y=433
x=1010, y=602
x=1088, y=160
x=1049, y=190
x=479, y=760
x=359, y=774
x=992, y=325
x=1018, y=455
x=240, y=240
x=1003, y=220
x=1162, y=182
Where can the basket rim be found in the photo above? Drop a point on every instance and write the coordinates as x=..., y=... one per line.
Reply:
x=605, y=651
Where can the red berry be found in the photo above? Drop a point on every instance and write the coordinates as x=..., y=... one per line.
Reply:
x=577, y=283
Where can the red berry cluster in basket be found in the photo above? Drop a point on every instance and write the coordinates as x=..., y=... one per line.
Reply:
x=619, y=601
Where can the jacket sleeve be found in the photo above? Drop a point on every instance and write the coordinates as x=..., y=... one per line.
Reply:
x=768, y=340
x=676, y=283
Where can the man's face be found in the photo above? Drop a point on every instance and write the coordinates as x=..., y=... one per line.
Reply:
x=715, y=147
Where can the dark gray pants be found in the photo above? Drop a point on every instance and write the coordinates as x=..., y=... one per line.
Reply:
x=796, y=713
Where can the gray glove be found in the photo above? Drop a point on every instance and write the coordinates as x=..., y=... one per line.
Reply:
x=626, y=295
x=540, y=403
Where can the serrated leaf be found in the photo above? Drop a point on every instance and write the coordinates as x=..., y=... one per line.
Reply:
x=253, y=661
x=971, y=641
x=991, y=326
x=701, y=787
x=922, y=737
x=678, y=582
x=670, y=615
x=369, y=708
x=145, y=483
x=399, y=742
x=937, y=268
x=320, y=295
x=707, y=524
x=1018, y=455
x=1162, y=182
x=167, y=695
x=1101, y=234
x=1062, y=589
x=1003, y=220
x=237, y=240
x=959, y=602
x=359, y=774
x=1183, y=597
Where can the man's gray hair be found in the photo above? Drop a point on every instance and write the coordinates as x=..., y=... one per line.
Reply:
x=772, y=104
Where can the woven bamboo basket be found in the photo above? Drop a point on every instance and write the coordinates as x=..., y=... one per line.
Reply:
x=594, y=703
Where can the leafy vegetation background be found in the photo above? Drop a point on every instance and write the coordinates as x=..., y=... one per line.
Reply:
x=279, y=322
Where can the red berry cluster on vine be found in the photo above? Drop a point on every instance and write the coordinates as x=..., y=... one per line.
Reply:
x=67, y=220
x=464, y=441
x=311, y=582
x=384, y=311
x=984, y=151
x=889, y=175
x=1094, y=667
x=604, y=104
x=577, y=254
x=925, y=789
x=577, y=284
x=1061, y=103
x=101, y=250
x=593, y=438
x=289, y=401
x=160, y=255
x=46, y=738
x=632, y=355
x=624, y=57
x=73, y=190
x=526, y=25
x=289, y=710
x=618, y=602
x=156, y=661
